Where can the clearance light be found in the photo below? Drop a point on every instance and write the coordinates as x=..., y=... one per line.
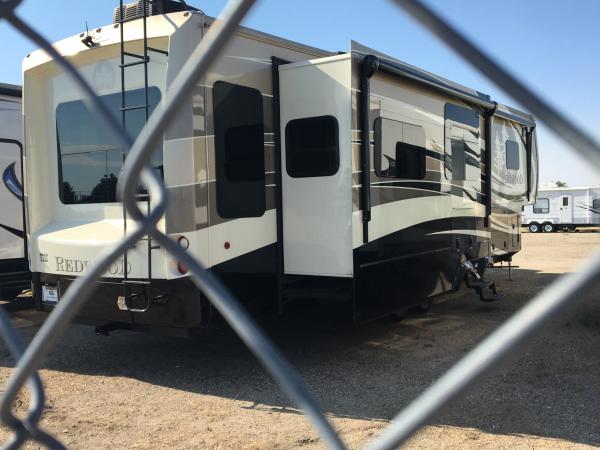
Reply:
x=226, y=245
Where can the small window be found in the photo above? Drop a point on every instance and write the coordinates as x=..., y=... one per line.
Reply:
x=312, y=147
x=565, y=201
x=541, y=206
x=461, y=114
x=399, y=150
x=512, y=155
x=239, y=150
x=596, y=203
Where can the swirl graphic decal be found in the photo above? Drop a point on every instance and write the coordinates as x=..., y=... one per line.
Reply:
x=12, y=182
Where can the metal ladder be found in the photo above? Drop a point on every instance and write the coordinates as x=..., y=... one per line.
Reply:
x=131, y=298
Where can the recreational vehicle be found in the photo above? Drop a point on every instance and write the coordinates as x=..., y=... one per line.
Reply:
x=563, y=208
x=293, y=173
x=14, y=269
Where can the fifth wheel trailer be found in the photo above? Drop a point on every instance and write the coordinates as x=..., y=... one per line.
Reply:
x=14, y=270
x=565, y=208
x=293, y=173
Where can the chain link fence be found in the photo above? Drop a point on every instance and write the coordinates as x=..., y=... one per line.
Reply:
x=509, y=338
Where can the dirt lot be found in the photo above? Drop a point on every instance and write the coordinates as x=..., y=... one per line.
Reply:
x=133, y=390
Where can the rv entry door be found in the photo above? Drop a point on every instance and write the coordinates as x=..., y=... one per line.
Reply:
x=316, y=165
x=565, y=209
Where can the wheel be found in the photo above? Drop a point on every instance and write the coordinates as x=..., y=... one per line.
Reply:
x=548, y=228
x=534, y=228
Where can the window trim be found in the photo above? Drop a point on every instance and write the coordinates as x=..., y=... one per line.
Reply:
x=448, y=157
x=221, y=178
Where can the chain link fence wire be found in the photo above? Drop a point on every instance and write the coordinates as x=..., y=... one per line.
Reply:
x=508, y=339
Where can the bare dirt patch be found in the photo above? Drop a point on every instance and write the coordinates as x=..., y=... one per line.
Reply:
x=134, y=390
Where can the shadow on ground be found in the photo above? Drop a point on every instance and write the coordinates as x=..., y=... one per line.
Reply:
x=371, y=371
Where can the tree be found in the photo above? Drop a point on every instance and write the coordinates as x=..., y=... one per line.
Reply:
x=104, y=191
x=560, y=183
x=68, y=193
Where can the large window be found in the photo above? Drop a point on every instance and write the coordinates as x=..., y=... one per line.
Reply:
x=312, y=147
x=399, y=150
x=541, y=206
x=512, y=155
x=463, y=153
x=596, y=203
x=239, y=150
x=89, y=155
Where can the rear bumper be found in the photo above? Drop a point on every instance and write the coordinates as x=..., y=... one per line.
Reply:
x=181, y=308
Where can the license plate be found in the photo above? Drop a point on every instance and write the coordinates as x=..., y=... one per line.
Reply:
x=49, y=294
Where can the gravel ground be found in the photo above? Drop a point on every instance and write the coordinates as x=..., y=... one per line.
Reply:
x=134, y=390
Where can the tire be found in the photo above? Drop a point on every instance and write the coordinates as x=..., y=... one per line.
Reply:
x=548, y=228
x=534, y=227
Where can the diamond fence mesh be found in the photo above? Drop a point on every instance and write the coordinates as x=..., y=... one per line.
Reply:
x=509, y=338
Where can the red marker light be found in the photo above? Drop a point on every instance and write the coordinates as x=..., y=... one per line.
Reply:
x=182, y=268
x=226, y=245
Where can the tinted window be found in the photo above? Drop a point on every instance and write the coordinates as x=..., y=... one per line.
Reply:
x=565, y=201
x=90, y=156
x=463, y=153
x=239, y=150
x=461, y=114
x=512, y=155
x=312, y=147
x=596, y=203
x=541, y=206
x=399, y=150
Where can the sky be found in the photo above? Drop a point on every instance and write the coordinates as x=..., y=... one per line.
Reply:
x=552, y=46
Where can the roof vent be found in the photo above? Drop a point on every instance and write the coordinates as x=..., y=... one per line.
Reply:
x=135, y=10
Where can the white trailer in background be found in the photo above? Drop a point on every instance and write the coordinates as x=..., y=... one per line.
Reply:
x=14, y=272
x=564, y=208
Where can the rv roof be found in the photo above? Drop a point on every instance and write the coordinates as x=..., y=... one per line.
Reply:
x=11, y=90
x=568, y=188
x=73, y=44
x=266, y=37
